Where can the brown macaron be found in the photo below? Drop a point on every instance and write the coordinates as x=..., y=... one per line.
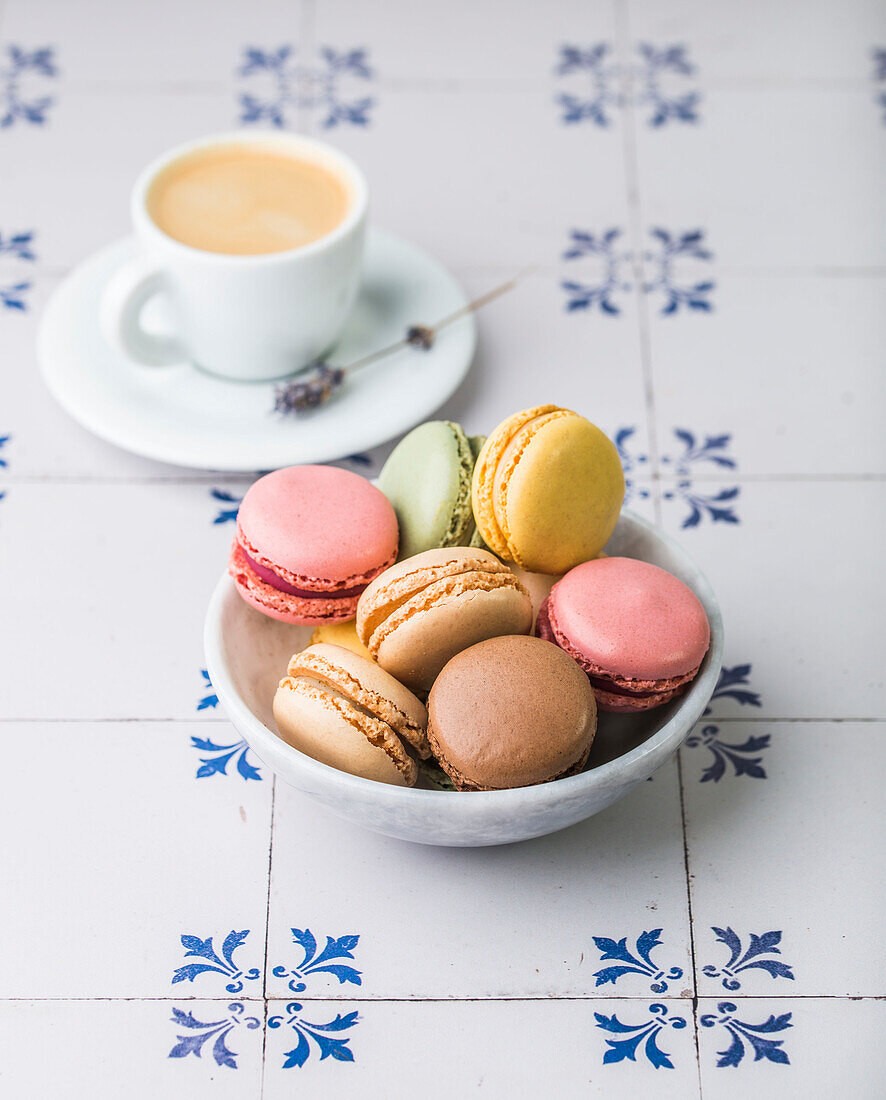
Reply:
x=511, y=712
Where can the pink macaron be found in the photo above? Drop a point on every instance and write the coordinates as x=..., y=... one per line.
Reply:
x=309, y=540
x=638, y=632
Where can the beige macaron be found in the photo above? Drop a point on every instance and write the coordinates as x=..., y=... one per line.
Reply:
x=345, y=711
x=419, y=613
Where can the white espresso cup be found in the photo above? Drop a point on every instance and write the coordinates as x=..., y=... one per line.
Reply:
x=244, y=317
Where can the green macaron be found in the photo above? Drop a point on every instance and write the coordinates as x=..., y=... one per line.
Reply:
x=427, y=478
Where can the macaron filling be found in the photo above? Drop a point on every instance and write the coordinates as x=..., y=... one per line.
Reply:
x=275, y=581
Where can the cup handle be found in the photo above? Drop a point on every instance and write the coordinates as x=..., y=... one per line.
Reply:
x=128, y=291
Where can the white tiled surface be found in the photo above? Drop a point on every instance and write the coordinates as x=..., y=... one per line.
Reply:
x=127, y=845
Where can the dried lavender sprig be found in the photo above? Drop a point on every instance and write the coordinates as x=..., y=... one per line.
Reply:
x=305, y=393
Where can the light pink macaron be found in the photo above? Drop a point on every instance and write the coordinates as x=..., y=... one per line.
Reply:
x=638, y=632
x=309, y=540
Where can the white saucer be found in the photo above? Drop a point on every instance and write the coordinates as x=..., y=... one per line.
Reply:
x=184, y=416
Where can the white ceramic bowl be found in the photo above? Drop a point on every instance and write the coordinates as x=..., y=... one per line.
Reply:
x=247, y=653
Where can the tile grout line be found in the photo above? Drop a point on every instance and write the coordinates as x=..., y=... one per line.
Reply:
x=306, y=44
x=161, y=998
x=264, y=1041
x=691, y=924
x=632, y=174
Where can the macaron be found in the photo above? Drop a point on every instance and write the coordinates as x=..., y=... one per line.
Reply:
x=547, y=489
x=345, y=711
x=639, y=632
x=422, y=611
x=510, y=712
x=427, y=479
x=343, y=634
x=309, y=540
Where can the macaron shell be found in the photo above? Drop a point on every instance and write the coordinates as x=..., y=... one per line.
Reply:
x=483, y=482
x=510, y=712
x=402, y=581
x=368, y=686
x=318, y=526
x=631, y=619
x=427, y=479
x=560, y=501
x=416, y=650
x=283, y=606
x=336, y=733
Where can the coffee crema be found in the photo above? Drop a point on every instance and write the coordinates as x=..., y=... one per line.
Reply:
x=247, y=200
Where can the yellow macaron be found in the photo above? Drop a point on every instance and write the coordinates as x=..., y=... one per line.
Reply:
x=547, y=489
x=343, y=634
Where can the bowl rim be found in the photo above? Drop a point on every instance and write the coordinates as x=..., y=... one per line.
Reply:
x=270, y=747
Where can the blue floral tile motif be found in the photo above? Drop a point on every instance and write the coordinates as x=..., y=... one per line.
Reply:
x=880, y=77
x=634, y=1034
x=4, y=439
x=19, y=70
x=629, y=464
x=210, y=700
x=749, y=1036
x=326, y=1037
x=613, y=259
x=744, y=758
x=328, y=961
x=655, y=66
x=758, y=946
x=715, y=506
x=362, y=460
x=212, y=963
x=225, y=514
x=216, y=763
x=599, y=88
x=718, y=506
x=616, y=268
x=332, y=87
x=732, y=684
x=18, y=246
x=596, y=82
x=200, y=1033
x=639, y=963
x=671, y=247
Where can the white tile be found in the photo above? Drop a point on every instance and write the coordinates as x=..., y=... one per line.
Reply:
x=111, y=586
x=532, y=351
x=98, y=41
x=833, y=1048
x=487, y=177
x=70, y=181
x=106, y=1049
x=504, y=922
x=786, y=363
x=496, y=1048
x=462, y=40
x=118, y=850
x=777, y=179
x=45, y=441
x=791, y=40
x=788, y=849
x=799, y=579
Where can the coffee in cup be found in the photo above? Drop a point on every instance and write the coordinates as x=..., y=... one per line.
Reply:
x=245, y=200
x=256, y=243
